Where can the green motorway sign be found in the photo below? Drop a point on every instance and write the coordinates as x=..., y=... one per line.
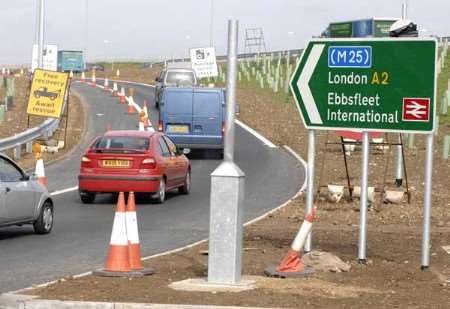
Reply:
x=367, y=84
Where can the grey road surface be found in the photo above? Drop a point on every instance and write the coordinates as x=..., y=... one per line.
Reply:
x=79, y=240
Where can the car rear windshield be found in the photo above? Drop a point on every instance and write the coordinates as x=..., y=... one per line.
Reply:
x=180, y=78
x=122, y=142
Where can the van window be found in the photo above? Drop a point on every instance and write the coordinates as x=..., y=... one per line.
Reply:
x=180, y=78
x=207, y=104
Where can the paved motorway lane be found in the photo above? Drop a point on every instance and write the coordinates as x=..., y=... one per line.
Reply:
x=80, y=237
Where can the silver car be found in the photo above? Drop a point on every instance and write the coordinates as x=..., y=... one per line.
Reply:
x=23, y=200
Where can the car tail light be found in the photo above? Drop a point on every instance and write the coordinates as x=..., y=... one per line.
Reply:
x=148, y=163
x=160, y=126
x=85, y=162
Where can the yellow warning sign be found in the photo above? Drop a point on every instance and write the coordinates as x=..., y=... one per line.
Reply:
x=47, y=94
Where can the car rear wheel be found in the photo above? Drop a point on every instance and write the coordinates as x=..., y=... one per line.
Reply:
x=87, y=197
x=44, y=223
x=160, y=196
x=186, y=187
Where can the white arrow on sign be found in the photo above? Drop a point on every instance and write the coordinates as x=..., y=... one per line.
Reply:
x=303, y=83
x=416, y=109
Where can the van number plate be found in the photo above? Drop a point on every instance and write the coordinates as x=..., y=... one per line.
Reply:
x=177, y=129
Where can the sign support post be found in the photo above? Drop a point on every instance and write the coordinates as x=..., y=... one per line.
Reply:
x=344, y=84
x=427, y=202
x=310, y=182
x=363, y=200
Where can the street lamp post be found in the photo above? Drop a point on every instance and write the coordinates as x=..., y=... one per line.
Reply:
x=40, y=35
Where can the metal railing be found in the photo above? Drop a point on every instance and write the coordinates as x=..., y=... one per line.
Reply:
x=16, y=142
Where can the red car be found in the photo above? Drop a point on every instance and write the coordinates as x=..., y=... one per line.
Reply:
x=138, y=161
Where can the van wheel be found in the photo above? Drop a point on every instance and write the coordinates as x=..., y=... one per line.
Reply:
x=44, y=223
x=186, y=187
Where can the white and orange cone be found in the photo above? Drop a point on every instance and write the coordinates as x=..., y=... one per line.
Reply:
x=93, y=79
x=122, y=99
x=134, y=246
x=83, y=77
x=147, y=123
x=39, y=170
x=115, y=90
x=131, y=109
x=118, y=259
x=292, y=264
x=106, y=85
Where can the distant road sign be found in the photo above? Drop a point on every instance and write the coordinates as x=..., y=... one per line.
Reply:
x=367, y=84
x=203, y=62
x=50, y=58
x=47, y=93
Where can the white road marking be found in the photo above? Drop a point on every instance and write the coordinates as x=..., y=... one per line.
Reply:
x=256, y=134
x=59, y=192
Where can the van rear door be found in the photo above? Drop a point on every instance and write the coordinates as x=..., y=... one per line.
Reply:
x=207, y=113
x=177, y=109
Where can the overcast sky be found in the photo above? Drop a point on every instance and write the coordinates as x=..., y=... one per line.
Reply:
x=145, y=29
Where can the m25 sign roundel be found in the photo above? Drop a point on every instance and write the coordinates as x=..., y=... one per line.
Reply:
x=384, y=85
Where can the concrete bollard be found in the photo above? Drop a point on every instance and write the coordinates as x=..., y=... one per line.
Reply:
x=335, y=193
x=2, y=112
x=393, y=197
x=446, y=148
x=370, y=193
x=436, y=131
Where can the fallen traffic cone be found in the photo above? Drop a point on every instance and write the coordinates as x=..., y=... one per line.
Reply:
x=106, y=85
x=292, y=265
x=83, y=77
x=142, y=121
x=93, y=79
x=114, y=93
x=131, y=109
x=134, y=247
x=39, y=170
x=122, y=99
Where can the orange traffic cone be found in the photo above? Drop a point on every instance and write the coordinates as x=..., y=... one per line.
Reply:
x=118, y=262
x=131, y=109
x=122, y=99
x=39, y=170
x=93, y=79
x=83, y=77
x=134, y=247
x=118, y=259
x=292, y=265
x=106, y=85
x=114, y=93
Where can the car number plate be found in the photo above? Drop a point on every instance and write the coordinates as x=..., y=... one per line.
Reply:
x=116, y=163
x=178, y=129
